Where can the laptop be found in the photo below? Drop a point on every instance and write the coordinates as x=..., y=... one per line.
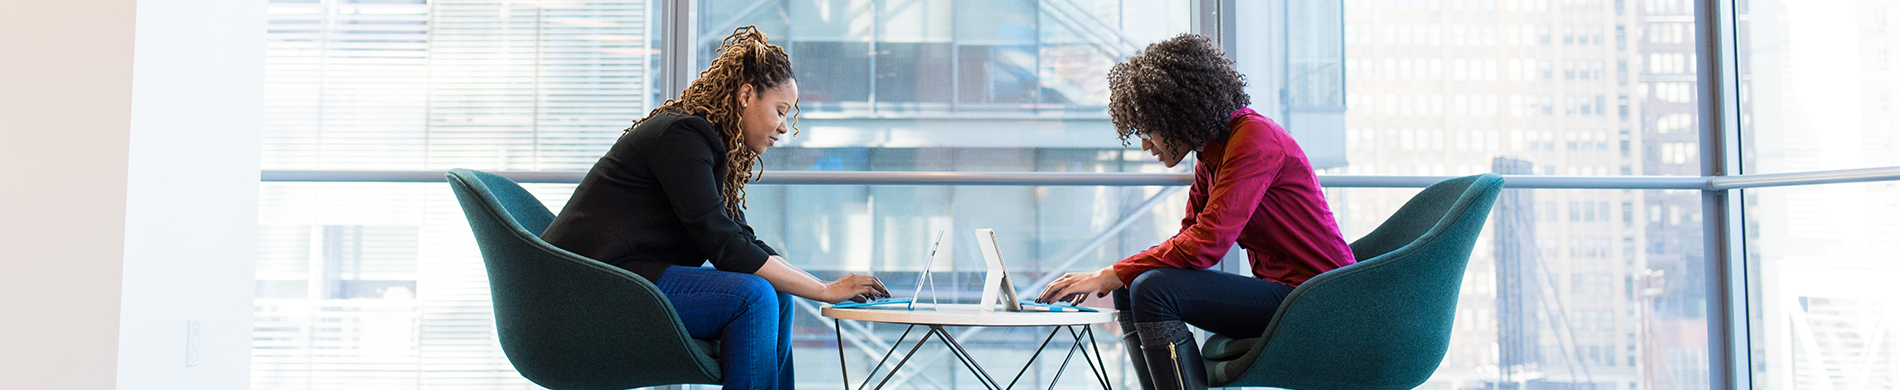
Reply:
x=996, y=282
x=910, y=303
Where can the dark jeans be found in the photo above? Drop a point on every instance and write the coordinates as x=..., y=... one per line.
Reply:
x=751, y=321
x=1231, y=305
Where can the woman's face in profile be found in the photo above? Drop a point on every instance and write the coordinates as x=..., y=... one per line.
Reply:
x=1168, y=156
x=764, y=119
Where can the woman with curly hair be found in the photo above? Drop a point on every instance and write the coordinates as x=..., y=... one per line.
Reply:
x=670, y=197
x=1252, y=186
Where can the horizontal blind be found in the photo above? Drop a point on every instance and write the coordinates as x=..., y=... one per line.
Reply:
x=364, y=286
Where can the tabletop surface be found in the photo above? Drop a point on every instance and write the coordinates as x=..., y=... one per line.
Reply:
x=966, y=315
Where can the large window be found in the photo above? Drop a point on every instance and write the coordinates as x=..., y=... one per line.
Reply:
x=1818, y=90
x=1580, y=289
x=379, y=285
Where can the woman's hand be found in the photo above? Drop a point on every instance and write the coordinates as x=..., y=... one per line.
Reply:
x=791, y=280
x=1076, y=286
x=854, y=287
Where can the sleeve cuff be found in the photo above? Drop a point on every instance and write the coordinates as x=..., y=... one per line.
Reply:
x=767, y=248
x=1127, y=271
x=741, y=257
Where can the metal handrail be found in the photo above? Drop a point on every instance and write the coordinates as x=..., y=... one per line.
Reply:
x=1858, y=175
x=1710, y=183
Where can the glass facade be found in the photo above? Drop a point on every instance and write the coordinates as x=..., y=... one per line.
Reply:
x=1819, y=84
x=1824, y=302
x=1817, y=92
x=379, y=285
x=1574, y=88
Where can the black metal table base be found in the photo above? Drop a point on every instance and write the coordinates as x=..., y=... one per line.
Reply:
x=1096, y=365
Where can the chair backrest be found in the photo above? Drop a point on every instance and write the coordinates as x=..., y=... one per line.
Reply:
x=566, y=321
x=1384, y=323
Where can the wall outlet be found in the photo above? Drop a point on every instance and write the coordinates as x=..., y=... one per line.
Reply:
x=191, y=343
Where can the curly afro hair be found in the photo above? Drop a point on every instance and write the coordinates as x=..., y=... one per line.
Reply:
x=1182, y=89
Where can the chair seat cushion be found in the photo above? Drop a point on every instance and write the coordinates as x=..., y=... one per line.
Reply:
x=1223, y=357
x=1222, y=348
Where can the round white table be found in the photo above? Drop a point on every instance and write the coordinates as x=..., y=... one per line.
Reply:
x=936, y=316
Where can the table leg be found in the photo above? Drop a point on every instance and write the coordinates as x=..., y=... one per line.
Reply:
x=968, y=361
x=1097, y=365
x=1102, y=375
x=1069, y=356
x=844, y=373
x=1099, y=371
x=900, y=362
x=1032, y=357
x=887, y=357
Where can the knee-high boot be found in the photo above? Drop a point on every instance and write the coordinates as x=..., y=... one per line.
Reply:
x=1174, y=361
x=1131, y=341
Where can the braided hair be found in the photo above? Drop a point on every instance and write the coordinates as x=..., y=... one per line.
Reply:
x=1183, y=89
x=744, y=59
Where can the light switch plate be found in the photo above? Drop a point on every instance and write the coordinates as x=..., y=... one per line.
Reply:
x=191, y=343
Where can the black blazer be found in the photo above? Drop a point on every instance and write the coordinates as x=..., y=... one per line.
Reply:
x=653, y=201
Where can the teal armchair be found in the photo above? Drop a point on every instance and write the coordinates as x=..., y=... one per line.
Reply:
x=566, y=321
x=1383, y=323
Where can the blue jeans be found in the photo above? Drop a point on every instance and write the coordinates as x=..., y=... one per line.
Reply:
x=1227, y=304
x=751, y=321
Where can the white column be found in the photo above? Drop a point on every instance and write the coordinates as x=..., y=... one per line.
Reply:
x=130, y=192
x=191, y=195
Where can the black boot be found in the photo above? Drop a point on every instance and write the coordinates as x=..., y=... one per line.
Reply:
x=1131, y=340
x=1174, y=361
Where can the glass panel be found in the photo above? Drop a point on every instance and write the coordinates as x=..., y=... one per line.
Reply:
x=949, y=74
x=379, y=285
x=1819, y=86
x=374, y=285
x=1306, y=94
x=1825, y=305
x=1593, y=87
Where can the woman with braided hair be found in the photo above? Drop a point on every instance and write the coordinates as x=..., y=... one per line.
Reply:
x=669, y=197
x=1252, y=186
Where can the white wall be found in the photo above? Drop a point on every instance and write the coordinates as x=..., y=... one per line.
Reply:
x=128, y=202
x=65, y=114
x=191, y=216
